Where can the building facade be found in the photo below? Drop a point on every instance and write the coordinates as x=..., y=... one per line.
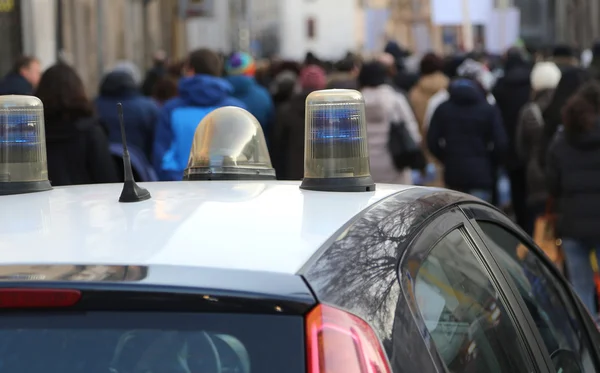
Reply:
x=92, y=35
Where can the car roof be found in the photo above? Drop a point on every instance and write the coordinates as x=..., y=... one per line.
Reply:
x=264, y=226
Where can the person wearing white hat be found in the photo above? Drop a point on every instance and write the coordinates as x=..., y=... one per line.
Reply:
x=545, y=77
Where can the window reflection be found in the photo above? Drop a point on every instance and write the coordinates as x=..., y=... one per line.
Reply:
x=463, y=313
x=546, y=300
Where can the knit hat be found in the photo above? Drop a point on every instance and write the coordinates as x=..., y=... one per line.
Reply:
x=240, y=63
x=312, y=78
x=545, y=75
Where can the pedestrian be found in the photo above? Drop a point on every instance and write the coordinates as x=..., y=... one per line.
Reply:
x=241, y=70
x=384, y=107
x=287, y=152
x=345, y=74
x=201, y=90
x=432, y=81
x=545, y=77
x=158, y=70
x=140, y=112
x=466, y=135
x=573, y=180
x=23, y=78
x=512, y=92
x=76, y=143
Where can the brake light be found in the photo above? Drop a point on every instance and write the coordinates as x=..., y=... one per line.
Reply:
x=338, y=341
x=38, y=298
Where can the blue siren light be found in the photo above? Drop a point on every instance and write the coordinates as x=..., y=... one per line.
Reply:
x=23, y=159
x=336, y=154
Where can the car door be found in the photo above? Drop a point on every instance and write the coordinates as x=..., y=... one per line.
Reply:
x=471, y=319
x=560, y=318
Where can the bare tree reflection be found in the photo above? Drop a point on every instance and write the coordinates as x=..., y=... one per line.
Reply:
x=358, y=271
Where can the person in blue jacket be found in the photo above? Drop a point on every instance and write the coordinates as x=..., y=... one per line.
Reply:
x=241, y=68
x=467, y=136
x=140, y=113
x=201, y=90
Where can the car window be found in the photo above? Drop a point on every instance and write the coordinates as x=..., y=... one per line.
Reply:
x=150, y=342
x=544, y=296
x=463, y=313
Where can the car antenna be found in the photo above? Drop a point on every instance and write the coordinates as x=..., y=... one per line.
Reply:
x=131, y=191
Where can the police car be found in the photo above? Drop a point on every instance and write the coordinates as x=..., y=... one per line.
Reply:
x=232, y=271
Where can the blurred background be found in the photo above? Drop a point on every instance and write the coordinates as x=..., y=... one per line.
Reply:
x=94, y=34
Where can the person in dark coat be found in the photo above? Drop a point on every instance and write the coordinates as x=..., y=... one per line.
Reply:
x=140, y=112
x=23, y=79
x=466, y=135
x=544, y=80
x=77, y=145
x=571, y=80
x=564, y=57
x=573, y=178
x=241, y=70
x=287, y=152
x=594, y=68
x=512, y=92
x=345, y=74
x=158, y=70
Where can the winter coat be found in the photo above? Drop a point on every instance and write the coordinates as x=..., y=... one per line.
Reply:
x=255, y=97
x=385, y=106
x=287, y=149
x=78, y=153
x=153, y=76
x=419, y=95
x=15, y=84
x=467, y=136
x=573, y=179
x=439, y=98
x=529, y=140
x=512, y=92
x=198, y=96
x=140, y=113
x=342, y=80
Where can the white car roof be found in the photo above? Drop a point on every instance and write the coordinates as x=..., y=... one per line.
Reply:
x=264, y=226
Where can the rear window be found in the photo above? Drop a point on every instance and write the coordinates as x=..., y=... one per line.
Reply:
x=150, y=342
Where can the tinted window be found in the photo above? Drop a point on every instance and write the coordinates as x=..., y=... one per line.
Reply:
x=545, y=298
x=463, y=312
x=106, y=342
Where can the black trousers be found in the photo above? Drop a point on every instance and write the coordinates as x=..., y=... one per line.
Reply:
x=518, y=190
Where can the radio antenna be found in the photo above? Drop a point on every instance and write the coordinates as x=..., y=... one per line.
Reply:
x=131, y=191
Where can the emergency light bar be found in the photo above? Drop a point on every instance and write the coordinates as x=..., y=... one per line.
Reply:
x=229, y=144
x=336, y=154
x=23, y=159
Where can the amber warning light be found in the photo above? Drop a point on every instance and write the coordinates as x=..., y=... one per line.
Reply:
x=336, y=154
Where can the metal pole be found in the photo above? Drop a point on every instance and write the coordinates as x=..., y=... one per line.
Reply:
x=467, y=27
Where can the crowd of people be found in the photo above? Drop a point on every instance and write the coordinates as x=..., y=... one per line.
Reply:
x=477, y=119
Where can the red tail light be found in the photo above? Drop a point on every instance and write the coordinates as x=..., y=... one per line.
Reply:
x=338, y=342
x=38, y=298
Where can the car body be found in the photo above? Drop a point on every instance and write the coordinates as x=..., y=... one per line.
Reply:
x=263, y=276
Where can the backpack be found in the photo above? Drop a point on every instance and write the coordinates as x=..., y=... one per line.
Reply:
x=141, y=167
x=406, y=153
